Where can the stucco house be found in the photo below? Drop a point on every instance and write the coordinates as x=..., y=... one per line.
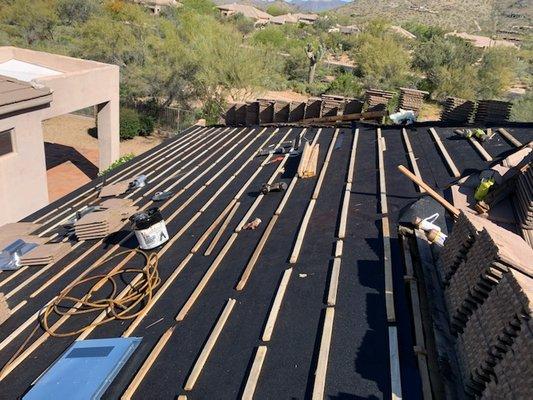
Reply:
x=36, y=86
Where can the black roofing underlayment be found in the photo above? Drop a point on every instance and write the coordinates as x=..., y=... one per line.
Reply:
x=358, y=366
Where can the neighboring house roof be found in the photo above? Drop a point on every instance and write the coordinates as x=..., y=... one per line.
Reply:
x=348, y=29
x=158, y=2
x=16, y=95
x=403, y=32
x=247, y=11
x=307, y=17
x=481, y=41
x=284, y=19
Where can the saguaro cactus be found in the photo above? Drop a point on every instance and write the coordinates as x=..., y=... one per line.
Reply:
x=314, y=57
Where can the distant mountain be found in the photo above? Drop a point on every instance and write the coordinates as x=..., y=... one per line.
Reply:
x=462, y=15
x=292, y=5
x=317, y=5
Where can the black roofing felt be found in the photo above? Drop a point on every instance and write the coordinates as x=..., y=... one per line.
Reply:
x=359, y=355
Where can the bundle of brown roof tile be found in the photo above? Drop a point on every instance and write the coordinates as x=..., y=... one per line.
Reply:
x=493, y=111
x=458, y=110
x=411, y=99
x=488, y=280
x=332, y=105
x=45, y=254
x=375, y=97
x=524, y=199
x=99, y=224
x=19, y=230
x=115, y=189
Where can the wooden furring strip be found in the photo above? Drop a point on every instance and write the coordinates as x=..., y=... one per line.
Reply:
x=507, y=135
x=209, y=345
x=255, y=371
x=480, y=149
x=211, y=228
x=394, y=354
x=309, y=211
x=412, y=158
x=276, y=306
x=223, y=227
x=147, y=364
x=319, y=386
x=451, y=165
x=334, y=282
x=417, y=320
x=205, y=279
x=387, y=257
x=255, y=255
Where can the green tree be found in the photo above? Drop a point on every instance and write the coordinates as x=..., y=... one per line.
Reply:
x=381, y=61
x=496, y=71
x=275, y=10
x=346, y=84
x=29, y=21
x=76, y=11
x=448, y=65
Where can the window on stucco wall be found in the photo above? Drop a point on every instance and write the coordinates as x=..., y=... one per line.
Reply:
x=6, y=142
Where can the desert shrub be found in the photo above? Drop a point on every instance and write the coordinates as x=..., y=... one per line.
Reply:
x=122, y=160
x=130, y=124
x=345, y=84
x=523, y=109
x=147, y=123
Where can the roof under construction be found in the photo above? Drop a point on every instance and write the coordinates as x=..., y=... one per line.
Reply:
x=310, y=303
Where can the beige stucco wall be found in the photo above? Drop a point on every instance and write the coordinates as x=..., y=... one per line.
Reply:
x=23, y=187
x=84, y=83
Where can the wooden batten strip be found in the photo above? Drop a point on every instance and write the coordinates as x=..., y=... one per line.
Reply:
x=147, y=364
x=480, y=149
x=324, y=169
x=338, y=248
x=286, y=196
x=451, y=165
x=417, y=321
x=209, y=345
x=223, y=227
x=256, y=254
x=301, y=233
x=205, y=279
x=507, y=135
x=412, y=158
x=319, y=386
x=210, y=230
x=255, y=371
x=341, y=234
x=276, y=305
x=351, y=167
x=389, y=292
x=334, y=282
x=394, y=359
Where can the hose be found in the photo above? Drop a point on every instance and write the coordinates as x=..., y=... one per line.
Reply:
x=118, y=306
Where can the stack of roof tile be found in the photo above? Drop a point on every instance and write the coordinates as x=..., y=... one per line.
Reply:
x=297, y=111
x=489, y=295
x=115, y=189
x=240, y=114
x=332, y=105
x=491, y=256
x=266, y=111
x=313, y=108
x=252, y=113
x=492, y=330
x=375, y=97
x=458, y=110
x=411, y=99
x=493, y=111
x=19, y=230
x=45, y=254
x=353, y=106
x=100, y=224
x=524, y=199
x=465, y=231
x=512, y=377
x=281, y=111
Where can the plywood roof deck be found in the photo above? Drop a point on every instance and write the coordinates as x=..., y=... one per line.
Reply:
x=216, y=178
